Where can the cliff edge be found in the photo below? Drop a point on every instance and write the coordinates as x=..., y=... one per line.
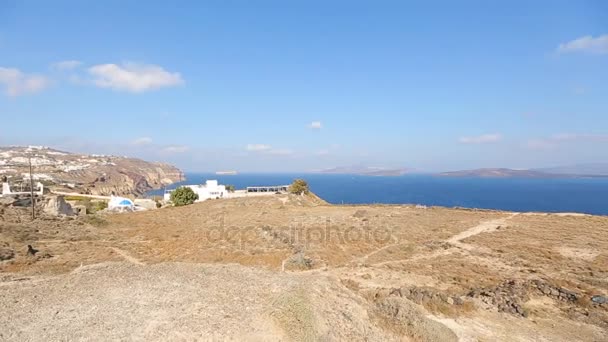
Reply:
x=92, y=174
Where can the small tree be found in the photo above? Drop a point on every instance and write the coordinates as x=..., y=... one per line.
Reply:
x=230, y=188
x=298, y=187
x=183, y=196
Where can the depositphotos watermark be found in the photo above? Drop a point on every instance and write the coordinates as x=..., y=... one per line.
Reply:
x=299, y=231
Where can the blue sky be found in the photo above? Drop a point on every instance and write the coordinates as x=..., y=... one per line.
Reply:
x=306, y=85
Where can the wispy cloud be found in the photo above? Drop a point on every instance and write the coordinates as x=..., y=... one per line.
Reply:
x=66, y=65
x=587, y=44
x=142, y=141
x=267, y=149
x=315, y=125
x=258, y=147
x=17, y=83
x=481, y=139
x=133, y=77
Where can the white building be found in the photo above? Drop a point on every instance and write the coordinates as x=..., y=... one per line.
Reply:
x=211, y=189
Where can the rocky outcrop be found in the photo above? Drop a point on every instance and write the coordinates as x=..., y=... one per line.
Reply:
x=57, y=206
x=92, y=174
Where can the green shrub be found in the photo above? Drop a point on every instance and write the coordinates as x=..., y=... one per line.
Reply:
x=298, y=187
x=230, y=188
x=183, y=196
x=99, y=206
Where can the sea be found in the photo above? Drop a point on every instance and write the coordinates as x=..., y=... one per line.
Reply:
x=580, y=195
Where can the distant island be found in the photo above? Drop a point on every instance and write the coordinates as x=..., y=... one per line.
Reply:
x=522, y=173
x=227, y=173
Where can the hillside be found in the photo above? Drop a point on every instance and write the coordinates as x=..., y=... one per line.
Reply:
x=289, y=267
x=93, y=174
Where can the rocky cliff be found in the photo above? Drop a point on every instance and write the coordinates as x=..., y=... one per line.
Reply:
x=93, y=174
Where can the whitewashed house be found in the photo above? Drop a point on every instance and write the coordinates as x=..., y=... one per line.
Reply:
x=211, y=189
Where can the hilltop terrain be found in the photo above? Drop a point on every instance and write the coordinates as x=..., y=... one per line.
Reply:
x=92, y=174
x=296, y=268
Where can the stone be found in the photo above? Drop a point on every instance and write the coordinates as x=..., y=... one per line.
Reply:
x=146, y=203
x=599, y=299
x=6, y=253
x=450, y=300
x=57, y=206
x=7, y=200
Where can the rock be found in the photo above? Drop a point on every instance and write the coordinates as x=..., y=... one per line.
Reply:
x=57, y=206
x=6, y=253
x=568, y=295
x=145, y=203
x=599, y=299
x=7, y=200
x=360, y=213
x=450, y=300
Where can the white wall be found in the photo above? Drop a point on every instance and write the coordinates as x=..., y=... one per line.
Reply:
x=211, y=189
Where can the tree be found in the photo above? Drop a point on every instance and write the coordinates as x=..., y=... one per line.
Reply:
x=230, y=188
x=298, y=187
x=183, y=196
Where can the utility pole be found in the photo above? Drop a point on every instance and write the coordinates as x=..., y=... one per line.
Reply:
x=32, y=190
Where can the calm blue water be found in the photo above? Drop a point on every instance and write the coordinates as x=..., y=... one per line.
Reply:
x=588, y=195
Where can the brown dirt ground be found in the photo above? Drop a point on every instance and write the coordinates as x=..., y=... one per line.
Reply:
x=438, y=256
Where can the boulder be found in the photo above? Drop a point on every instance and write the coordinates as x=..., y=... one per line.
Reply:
x=57, y=206
x=7, y=200
x=145, y=203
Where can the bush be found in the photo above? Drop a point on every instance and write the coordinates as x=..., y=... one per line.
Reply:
x=99, y=206
x=298, y=187
x=230, y=188
x=183, y=196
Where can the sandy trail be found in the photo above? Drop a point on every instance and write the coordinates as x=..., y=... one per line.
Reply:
x=455, y=241
x=483, y=227
x=127, y=256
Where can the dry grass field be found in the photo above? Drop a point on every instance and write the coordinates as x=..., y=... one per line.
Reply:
x=317, y=271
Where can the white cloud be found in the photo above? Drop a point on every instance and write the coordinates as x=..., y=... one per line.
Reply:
x=133, y=77
x=587, y=44
x=267, y=149
x=142, y=141
x=323, y=152
x=17, y=83
x=258, y=147
x=315, y=125
x=175, y=149
x=481, y=139
x=66, y=65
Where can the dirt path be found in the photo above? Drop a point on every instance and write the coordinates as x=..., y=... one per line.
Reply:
x=483, y=227
x=127, y=256
x=455, y=241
